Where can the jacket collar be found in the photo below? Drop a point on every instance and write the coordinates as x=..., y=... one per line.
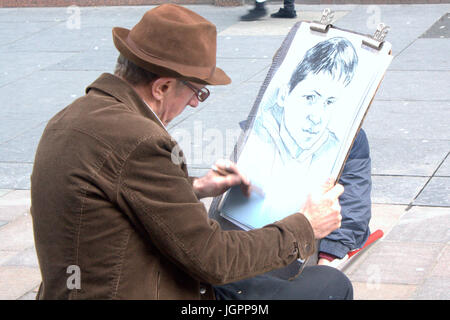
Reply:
x=272, y=119
x=122, y=91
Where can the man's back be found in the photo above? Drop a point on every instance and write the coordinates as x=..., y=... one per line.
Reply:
x=76, y=221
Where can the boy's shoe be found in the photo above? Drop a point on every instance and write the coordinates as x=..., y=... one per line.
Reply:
x=254, y=14
x=283, y=13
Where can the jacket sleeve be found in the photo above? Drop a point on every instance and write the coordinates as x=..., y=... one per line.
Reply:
x=156, y=193
x=355, y=202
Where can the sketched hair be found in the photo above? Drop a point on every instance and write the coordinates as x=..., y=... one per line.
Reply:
x=337, y=56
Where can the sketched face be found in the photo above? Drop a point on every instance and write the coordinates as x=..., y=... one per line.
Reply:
x=307, y=109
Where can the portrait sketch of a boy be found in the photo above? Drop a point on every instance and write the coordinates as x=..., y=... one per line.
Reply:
x=293, y=145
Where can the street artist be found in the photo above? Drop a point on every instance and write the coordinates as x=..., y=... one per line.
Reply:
x=109, y=202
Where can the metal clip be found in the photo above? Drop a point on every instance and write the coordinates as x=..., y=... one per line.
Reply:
x=377, y=40
x=325, y=21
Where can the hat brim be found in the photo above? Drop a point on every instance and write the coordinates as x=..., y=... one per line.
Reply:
x=166, y=68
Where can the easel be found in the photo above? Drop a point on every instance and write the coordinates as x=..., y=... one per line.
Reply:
x=374, y=42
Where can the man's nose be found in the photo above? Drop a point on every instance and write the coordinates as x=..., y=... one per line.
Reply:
x=194, y=101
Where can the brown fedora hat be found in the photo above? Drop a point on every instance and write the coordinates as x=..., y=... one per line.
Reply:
x=173, y=41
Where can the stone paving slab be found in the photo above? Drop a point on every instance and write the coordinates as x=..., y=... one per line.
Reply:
x=107, y=17
x=434, y=288
x=15, y=175
x=22, y=64
x=385, y=216
x=245, y=47
x=6, y=255
x=15, y=281
x=14, y=204
x=51, y=91
x=30, y=295
x=12, y=128
x=26, y=258
x=372, y=290
x=406, y=25
x=415, y=85
x=442, y=267
x=436, y=193
x=424, y=54
x=409, y=157
x=61, y=38
x=89, y=60
x=437, y=284
x=23, y=147
x=222, y=17
x=393, y=120
x=17, y=235
x=398, y=262
x=444, y=169
x=396, y=189
x=10, y=32
x=422, y=224
x=233, y=68
x=5, y=191
x=260, y=76
x=440, y=29
x=33, y=14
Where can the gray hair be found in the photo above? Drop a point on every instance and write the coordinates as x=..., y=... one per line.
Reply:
x=132, y=73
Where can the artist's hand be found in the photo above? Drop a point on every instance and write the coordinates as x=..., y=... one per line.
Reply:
x=215, y=183
x=323, y=210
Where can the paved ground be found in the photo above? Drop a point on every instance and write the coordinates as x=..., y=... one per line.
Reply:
x=49, y=55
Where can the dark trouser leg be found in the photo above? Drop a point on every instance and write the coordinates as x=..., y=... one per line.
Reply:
x=287, y=11
x=257, y=12
x=260, y=4
x=314, y=283
x=289, y=5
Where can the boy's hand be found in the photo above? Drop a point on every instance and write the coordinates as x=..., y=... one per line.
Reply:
x=323, y=262
x=324, y=212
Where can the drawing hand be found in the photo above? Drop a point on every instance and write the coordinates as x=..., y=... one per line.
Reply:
x=324, y=211
x=223, y=176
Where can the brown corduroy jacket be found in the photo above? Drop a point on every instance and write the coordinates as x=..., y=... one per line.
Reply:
x=115, y=218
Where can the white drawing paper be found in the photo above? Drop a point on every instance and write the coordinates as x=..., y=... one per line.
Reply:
x=305, y=124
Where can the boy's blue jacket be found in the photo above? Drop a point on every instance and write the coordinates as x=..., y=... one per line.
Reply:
x=355, y=202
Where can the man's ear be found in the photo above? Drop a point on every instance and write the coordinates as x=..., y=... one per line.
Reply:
x=282, y=94
x=161, y=86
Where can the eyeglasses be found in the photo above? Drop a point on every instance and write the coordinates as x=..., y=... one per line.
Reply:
x=202, y=94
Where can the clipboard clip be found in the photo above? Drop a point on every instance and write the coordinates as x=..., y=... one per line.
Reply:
x=325, y=21
x=377, y=40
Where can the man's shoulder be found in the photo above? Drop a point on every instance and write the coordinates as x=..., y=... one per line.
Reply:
x=104, y=121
